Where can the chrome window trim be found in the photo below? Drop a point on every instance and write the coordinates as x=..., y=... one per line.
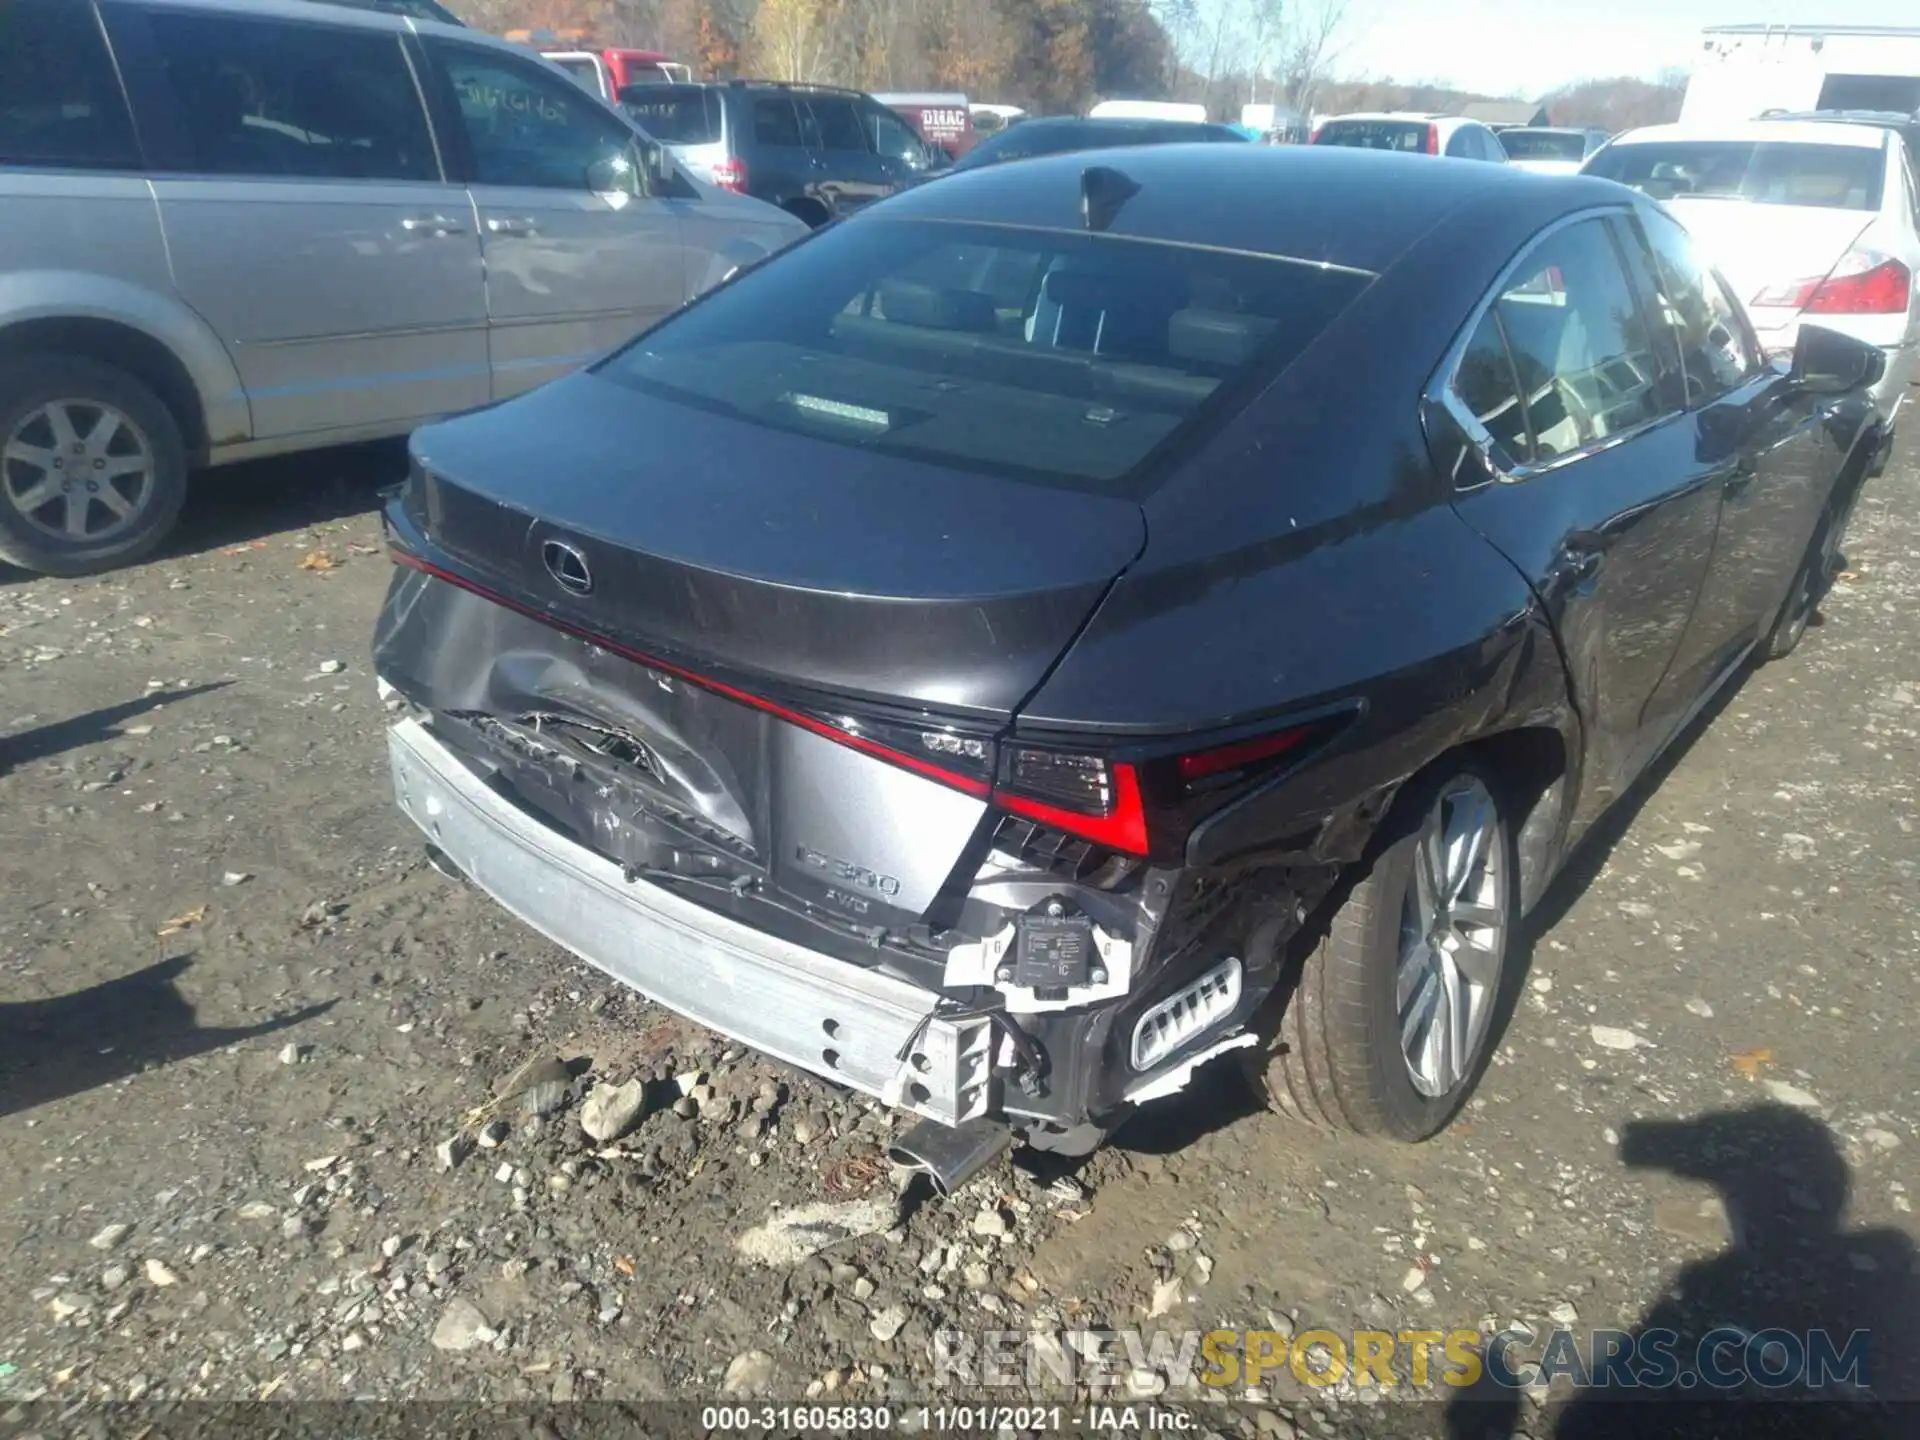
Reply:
x=1441, y=391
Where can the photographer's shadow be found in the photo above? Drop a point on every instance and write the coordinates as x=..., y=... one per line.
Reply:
x=1792, y=1267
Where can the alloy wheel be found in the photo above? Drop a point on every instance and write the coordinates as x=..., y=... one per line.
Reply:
x=1453, y=937
x=78, y=470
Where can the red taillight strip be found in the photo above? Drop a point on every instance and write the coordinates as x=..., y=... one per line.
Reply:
x=967, y=783
x=1124, y=829
x=1203, y=763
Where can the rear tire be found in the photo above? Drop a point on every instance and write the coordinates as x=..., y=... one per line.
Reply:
x=1366, y=1042
x=811, y=211
x=93, y=470
x=1814, y=578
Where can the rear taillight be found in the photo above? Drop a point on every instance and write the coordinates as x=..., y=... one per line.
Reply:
x=1085, y=795
x=731, y=174
x=1433, y=139
x=1864, y=283
x=1318, y=131
x=1091, y=796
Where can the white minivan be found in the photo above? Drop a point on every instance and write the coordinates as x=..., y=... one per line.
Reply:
x=236, y=228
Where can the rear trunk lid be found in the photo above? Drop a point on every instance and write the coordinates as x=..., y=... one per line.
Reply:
x=1762, y=247
x=776, y=557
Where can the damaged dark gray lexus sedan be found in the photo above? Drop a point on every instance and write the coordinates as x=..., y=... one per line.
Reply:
x=1072, y=622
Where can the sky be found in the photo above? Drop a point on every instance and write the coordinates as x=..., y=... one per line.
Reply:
x=1533, y=46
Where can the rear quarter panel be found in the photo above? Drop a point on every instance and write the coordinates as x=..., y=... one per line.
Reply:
x=91, y=246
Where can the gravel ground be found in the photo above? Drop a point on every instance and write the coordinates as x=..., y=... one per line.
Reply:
x=248, y=1041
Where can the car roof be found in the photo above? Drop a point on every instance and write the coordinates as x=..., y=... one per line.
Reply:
x=1804, y=132
x=1108, y=122
x=1393, y=115
x=395, y=15
x=1845, y=117
x=1354, y=208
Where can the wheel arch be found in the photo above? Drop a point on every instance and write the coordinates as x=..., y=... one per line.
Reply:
x=153, y=337
x=1532, y=764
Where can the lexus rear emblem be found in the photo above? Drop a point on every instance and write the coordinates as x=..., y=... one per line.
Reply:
x=568, y=567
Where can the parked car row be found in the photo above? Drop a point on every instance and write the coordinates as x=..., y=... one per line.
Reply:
x=817, y=152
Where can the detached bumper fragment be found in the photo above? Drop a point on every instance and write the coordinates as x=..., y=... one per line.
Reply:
x=851, y=1026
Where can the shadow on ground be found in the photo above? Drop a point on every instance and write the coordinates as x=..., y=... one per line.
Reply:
x=239, y=504
x=1793, y=1286
x=51, y=1049
x=43, y=742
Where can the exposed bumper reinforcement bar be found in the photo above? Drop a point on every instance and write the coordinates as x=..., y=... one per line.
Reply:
x=851, y=1026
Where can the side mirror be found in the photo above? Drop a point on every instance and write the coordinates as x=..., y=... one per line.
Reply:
x=1825, y=362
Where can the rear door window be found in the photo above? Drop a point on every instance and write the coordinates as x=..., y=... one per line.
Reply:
x=60, y=104
x=277, y=98
x=1487, y=385
x=1057, y=356
x=1834, y=177
x=1581, y=348
x=838, y=123
x=1717, y=349
x=775, y=122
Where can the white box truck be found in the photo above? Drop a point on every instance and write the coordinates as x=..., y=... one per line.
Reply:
x=1742, y=71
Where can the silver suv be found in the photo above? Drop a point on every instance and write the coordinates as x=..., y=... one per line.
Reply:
x=237, y=228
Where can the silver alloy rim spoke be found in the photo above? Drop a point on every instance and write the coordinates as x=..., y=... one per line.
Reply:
x=39, y=495
x=37, y=456
x=64, y=435
x=104, y=429
x=1453, y=938
x=97, y=454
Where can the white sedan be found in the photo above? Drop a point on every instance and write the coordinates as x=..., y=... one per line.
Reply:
x=1813, y=220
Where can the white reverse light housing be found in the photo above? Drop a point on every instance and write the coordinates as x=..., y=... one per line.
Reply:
x=1188, y=1012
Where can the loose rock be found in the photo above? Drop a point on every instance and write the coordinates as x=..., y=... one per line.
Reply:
x=111, y=1236
x=451, y=1151
x=1609, y=1037
x=609, y=1112
x=888, y=1323
x=462, y=1326
x=748, y=1374
x=159, y=1274
x=790, y=1236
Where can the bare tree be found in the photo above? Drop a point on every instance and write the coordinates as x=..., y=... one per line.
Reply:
x=1309, y=46
x=792, y=39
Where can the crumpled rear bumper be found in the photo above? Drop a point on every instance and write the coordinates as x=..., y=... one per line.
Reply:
x=852, y=1026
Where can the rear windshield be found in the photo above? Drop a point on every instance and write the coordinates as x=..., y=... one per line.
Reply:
x=1376, y=134
x=585, y=71
x=682, y=117
x=1833, y=177
x=1542, y=145
x=1061, y=357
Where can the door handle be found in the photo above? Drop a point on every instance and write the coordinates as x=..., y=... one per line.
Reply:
x=510, y=225
x=433, y=224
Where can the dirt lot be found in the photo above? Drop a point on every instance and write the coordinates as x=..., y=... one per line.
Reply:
x=239, y=1015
